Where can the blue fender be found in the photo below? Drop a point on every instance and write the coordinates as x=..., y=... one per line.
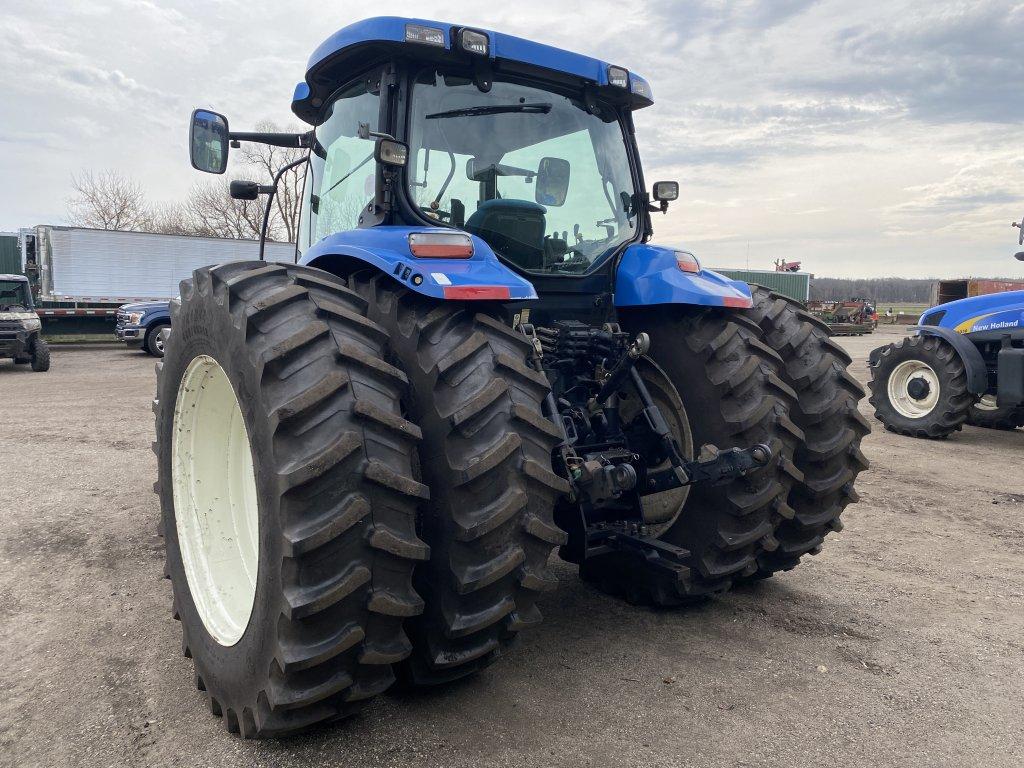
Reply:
x=649, y=274
x=974, y=363
x=480, y=277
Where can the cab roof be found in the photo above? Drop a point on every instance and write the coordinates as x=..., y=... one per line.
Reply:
x=360, y=45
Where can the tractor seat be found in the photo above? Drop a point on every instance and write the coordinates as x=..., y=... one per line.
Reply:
x=515, y=228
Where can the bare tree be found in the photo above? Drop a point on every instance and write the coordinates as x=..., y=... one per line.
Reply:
x=210, y=211
x=267, y=161
x=107, y=200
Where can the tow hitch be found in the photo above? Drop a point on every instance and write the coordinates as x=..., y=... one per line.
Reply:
x=604, y=466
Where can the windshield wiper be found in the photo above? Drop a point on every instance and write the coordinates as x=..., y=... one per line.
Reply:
x=540, y=108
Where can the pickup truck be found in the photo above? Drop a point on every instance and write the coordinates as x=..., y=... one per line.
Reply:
x=139, y=325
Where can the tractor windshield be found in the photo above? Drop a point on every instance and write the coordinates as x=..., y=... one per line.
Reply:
x=544, y=182
x=14, y=296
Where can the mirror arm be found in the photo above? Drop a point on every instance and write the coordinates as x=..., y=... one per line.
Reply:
x=295, y=140
x=270, y=201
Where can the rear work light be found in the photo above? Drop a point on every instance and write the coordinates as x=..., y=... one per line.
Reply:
x=441, y=245
x=618, y=77
x=472, y=41
x=417, y=33
x=391, y=152
x=687, y=262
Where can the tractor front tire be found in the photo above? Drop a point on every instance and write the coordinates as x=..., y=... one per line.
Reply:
x=486, y=456
x=919, y=388
x=285, y=476
x=829, y=457
x=985, y=413
x=730, y=384
x=40, y=356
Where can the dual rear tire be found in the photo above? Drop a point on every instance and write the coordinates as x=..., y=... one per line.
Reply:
x=370, y=463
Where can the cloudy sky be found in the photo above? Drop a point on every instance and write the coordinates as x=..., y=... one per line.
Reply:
x=863, y=139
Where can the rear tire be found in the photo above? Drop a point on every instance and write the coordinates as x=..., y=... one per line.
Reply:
x=335, y=497
x=40, y=356
x=829, y=457
x=486, y=456
x=933, y=407
x=730, y=385
x=988, y=415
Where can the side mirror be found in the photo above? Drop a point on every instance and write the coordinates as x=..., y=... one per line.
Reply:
x=208, y=141
x=1019, y=256
x=552, y=181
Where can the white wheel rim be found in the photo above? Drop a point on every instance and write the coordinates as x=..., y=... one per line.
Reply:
x=215, y=509
x=987, y=403
x=899, y=389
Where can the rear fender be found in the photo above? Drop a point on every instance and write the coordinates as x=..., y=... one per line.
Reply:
x=650, y=274
x=977, y=373
x=480, y=277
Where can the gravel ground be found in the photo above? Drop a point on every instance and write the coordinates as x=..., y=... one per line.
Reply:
x=902, y=644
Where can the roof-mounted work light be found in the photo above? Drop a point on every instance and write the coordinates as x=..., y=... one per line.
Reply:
x=471, y=41
x=618, y=77
x=417, y=33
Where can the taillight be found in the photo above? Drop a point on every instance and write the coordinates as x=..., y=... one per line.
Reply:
x=687, y=262
x=441, y=245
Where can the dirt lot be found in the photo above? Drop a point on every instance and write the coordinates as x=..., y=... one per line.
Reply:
x=902, y=644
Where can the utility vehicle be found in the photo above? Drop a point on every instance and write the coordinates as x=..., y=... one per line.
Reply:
x=366, y=458
x=965, y=365
x=20, y=328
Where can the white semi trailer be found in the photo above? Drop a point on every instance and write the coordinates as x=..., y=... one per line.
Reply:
x=75, y=271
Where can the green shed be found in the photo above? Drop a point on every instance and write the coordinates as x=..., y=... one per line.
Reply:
x=795, y=285
x=10, y=254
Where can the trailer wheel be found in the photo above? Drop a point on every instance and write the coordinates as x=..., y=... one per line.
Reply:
x=155, y=340
x=486, y=456
x=829, y=456
x=288, y=498
x=919, y=388
x=733, y=394
x=40, y=356
x=986, y=413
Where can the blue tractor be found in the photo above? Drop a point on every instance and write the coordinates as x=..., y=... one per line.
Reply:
x=965, y=365
x=366, y=458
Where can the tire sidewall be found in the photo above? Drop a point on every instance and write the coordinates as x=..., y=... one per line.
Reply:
x=230, y=670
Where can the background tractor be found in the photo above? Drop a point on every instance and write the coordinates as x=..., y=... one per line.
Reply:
x=366, y=458
x=965, y=365
x=21, y=335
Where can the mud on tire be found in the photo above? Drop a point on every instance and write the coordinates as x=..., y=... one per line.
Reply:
x=486, y=456
x=731, y=386
x=829, y=457
x=333, y=460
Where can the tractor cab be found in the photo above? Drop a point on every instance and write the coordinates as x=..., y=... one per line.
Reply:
x=488, y=167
